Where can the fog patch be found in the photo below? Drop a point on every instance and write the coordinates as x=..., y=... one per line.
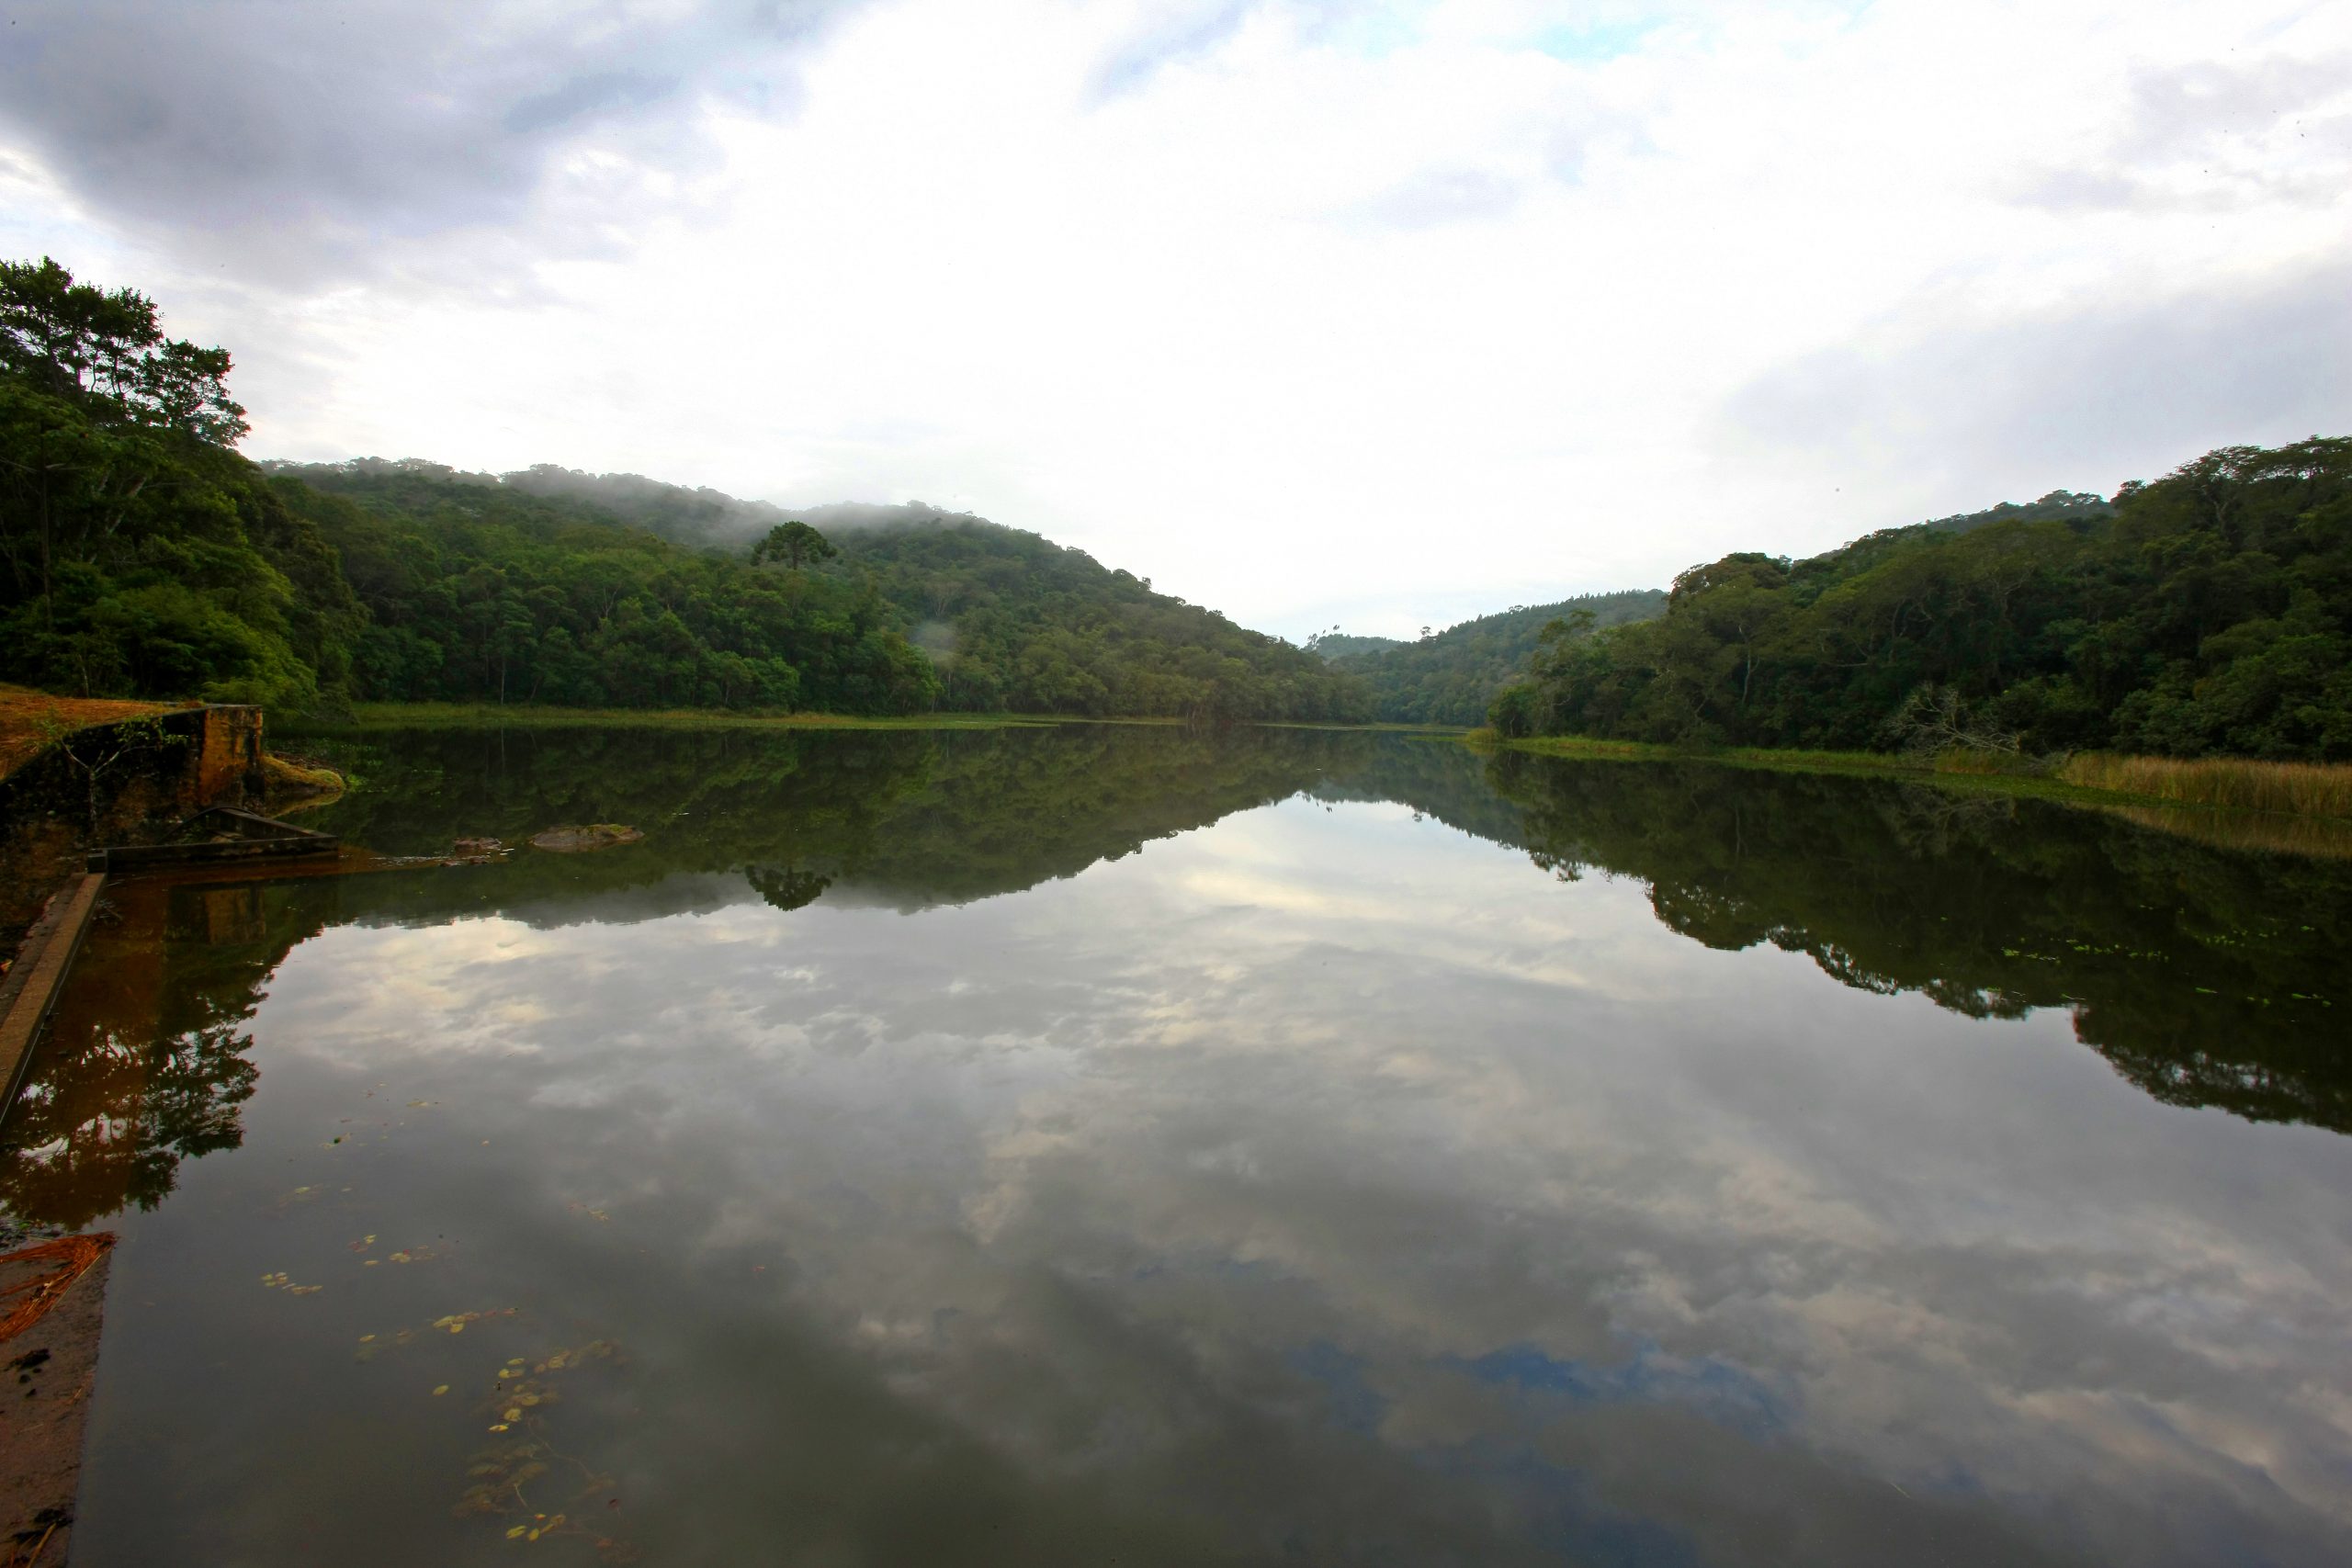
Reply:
x=937, y=639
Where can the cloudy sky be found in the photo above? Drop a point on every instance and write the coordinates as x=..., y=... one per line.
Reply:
x=1377, y=314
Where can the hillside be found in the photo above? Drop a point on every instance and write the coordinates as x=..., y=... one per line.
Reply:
x=487, y=588
x=479, y=591
x=1450, y=677
x=1018, y=622
x=141, y=556
x=1013, y=620
x=2209, y=612
x=2206, y=612
x=1335, y=645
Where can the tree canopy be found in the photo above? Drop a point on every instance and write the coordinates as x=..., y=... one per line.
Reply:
x=1019, y=623
x=2206, y=612
x=795, y=544
x=1451, y=676
x=140, y=555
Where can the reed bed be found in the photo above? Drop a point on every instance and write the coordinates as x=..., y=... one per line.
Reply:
x=2308, y=789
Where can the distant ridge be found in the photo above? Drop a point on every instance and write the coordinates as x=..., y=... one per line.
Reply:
x=1450, y=677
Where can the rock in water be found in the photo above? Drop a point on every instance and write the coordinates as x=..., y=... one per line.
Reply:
x=595, y=836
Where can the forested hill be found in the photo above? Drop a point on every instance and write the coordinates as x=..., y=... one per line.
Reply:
x=699, y=516
x=1450, y=678
x=1013, y=620
x=1019, y=621
x=1335, y=645
x=141, y=556
x=1004, y=620
x=2206, y=612
x=1453, y=677
x=479, y=591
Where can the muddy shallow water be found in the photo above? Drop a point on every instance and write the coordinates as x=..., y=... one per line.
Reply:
x=1110, y=1144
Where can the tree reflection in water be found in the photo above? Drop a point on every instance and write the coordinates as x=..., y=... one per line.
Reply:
x=2207, y=975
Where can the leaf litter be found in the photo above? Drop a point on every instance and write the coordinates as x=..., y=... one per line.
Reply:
x=371, y=1346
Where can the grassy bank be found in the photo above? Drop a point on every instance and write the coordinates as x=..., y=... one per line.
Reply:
x=2320, y=790
x=489, y=716
x=31, y=720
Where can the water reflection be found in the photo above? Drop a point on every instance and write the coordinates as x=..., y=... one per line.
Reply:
x=1321, y=1184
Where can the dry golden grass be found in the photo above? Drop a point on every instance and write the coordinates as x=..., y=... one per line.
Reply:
x=29, y=718
x=2309, y=789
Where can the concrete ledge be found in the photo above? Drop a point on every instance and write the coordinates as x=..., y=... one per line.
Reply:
x=233, y=835
x=43, y=962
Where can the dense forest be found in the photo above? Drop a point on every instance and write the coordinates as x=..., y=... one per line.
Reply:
x=2206, y=612
x=480, y=592
x=495, y=587
x=140, y=555
x=1022, y=623
x=1014, y=621
x=1452, y=676
x=143, y=556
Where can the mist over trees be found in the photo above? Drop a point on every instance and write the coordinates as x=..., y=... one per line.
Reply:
x=141, y=556
x=480, y=592
x=2206, y=612
x=1041, y=627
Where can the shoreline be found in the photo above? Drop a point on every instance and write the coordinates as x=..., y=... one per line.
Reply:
x=369, y=716
x=409, y=715
x=2246, y=827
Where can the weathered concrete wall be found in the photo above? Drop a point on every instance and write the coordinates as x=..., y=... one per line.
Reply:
x=228, y=759
x=52, y=810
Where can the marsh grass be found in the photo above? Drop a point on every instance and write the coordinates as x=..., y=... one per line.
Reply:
x=2298, y=807
x=2303, y=789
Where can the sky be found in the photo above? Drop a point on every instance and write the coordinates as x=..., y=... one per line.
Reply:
x=1373, y=315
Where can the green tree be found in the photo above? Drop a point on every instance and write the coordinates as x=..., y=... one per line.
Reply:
x=795, y=544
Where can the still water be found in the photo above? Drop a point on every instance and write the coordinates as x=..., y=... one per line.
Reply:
x=1116, y=1145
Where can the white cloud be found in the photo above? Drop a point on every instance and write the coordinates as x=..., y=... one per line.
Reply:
x=1378, y=314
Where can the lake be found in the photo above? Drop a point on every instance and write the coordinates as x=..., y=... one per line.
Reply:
x=1121, y=1144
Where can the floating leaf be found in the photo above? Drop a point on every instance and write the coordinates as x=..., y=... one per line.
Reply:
x=442, y=1390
